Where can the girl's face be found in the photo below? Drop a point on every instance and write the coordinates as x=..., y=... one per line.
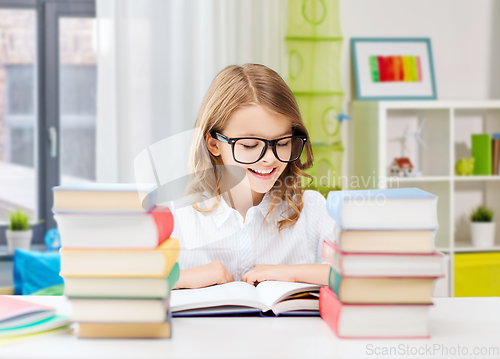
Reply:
x=254, y=121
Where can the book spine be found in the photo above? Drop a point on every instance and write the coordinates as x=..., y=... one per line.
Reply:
x=334, y=206
x=334, y=280
x=495, y=155
x=332, y=256
x=164, y=223
x=329, y=308
x=170, y=250
x=481, y=151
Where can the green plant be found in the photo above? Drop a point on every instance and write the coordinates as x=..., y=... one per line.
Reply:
x=481, y=214
x=19, y=221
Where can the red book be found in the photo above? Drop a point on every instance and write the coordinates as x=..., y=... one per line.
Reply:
x=373, y=321
x=394, y=265
x=115, y=231
x=381, y=68
x=389, y=69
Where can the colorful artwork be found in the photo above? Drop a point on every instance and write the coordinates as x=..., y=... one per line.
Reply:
x=395, y=68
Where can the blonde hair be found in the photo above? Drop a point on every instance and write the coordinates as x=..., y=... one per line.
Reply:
x=235, y=87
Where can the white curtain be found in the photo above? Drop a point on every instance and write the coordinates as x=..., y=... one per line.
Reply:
x=156, y=60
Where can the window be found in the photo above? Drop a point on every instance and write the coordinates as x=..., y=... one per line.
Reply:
x=47, y=103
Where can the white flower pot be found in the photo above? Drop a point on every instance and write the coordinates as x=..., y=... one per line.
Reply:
x=18, y=239
x=482, y=234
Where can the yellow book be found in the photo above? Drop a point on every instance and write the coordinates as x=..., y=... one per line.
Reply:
x=124, y=330
x=407, y=74
x=155, y=263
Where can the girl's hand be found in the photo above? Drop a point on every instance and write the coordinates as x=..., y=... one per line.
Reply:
x=204, y=276
x=303, y=273
x=265, y=272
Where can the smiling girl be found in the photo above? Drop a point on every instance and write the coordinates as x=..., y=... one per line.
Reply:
x=251, y=220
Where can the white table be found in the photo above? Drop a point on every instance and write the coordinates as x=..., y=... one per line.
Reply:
x=455, y=323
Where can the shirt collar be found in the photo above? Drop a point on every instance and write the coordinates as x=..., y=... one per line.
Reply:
x=223, y=211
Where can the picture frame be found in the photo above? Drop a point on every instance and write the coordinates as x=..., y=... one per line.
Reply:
x=393, y=69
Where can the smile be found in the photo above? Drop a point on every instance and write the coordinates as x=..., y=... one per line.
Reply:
x=263, y=174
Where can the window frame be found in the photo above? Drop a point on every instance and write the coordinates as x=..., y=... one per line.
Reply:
x=47, y=14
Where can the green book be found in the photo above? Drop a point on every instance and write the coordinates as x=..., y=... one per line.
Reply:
x=481, y=151
x=374, y=69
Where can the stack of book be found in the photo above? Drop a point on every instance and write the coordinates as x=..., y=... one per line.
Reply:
x=117, y=260
x=383, y=263
x=21, y=319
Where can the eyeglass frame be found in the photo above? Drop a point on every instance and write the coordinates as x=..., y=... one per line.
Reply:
x=268, y=143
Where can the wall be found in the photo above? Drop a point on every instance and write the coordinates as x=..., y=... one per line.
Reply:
x=465, y=43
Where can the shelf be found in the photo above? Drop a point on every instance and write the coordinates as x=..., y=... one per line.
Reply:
x=385, y=130
x=467, y=247
x=419, y=105
x=476, y=178
x=419, y=179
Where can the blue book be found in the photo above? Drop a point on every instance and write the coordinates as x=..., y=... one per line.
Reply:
x=383, y=209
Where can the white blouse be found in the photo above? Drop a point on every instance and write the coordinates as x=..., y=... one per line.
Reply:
x=223, y=235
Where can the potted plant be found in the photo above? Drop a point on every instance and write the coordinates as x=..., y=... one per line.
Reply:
x=482, y=227
x=19, y=232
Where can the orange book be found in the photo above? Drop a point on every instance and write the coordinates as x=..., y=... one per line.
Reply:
x=155, y=263
x=124, y=330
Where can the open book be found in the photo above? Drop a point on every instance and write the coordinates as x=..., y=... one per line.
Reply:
x=273, y=297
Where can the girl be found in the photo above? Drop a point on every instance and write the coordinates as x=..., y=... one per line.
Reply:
x=251, y=220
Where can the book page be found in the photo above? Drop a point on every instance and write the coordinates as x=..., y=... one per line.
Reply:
x=233, y=293
x=271, y=292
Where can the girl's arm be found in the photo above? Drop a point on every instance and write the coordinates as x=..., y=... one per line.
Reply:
x=204, y=276
x=303, y=273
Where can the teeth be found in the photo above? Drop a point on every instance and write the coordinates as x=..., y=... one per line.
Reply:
x=263, y=173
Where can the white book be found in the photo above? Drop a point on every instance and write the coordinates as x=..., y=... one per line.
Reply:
x=119, y=310
x=238, y=297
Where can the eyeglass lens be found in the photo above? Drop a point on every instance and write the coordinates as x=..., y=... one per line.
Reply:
x=249, y=150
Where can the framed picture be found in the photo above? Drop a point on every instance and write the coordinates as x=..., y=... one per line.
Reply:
x=393, y=69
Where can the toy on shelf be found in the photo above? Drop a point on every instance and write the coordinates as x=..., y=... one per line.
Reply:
x=418, y=141
x=401, y=167
x=465, y=167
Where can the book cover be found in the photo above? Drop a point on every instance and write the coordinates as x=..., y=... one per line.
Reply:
x=369, y=290
x=121, y=231
x=133, y=288
x=481, y=151
x=16, y=312
x=373, y=321
x=104, y=197
x=385, y=241
x=377, y=209
x=125, y=263
x=383, y=264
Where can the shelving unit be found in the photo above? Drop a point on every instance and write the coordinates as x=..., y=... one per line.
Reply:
x=378, y=129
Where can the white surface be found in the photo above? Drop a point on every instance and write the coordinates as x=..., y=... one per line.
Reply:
x=468, y=322
x=458, y=46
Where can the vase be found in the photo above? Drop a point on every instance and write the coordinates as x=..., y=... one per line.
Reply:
x=482, y=234
x=18, y=239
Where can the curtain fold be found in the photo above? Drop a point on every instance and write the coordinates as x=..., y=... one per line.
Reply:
x=156, y=60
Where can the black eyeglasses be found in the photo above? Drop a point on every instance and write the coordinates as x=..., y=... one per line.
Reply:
x=249, y=150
